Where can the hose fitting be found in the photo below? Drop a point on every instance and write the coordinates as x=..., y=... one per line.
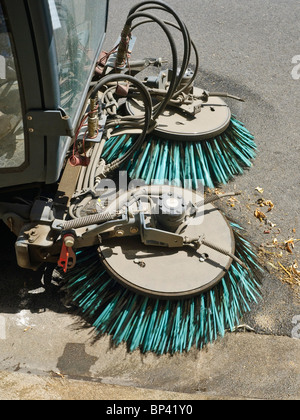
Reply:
x=93, y=120
x=123, y=46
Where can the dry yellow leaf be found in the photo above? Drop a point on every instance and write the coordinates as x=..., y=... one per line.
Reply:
x=291, y=241
x=259, y=214
x=232, y=201
x=294, y=268
x=259, y=189
x=270, y=204
x=287, y=272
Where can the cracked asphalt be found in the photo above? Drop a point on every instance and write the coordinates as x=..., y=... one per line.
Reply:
x=246, y=49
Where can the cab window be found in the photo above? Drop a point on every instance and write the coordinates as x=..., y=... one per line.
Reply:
x=79, y=28
x=12, y=143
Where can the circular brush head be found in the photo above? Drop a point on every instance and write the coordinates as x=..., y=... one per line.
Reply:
x=163, y=326
x=212, y=161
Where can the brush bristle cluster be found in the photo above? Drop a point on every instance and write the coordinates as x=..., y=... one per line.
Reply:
x=214, y=161
x=162, y=326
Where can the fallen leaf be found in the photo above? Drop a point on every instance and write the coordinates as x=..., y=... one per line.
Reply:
x=270, y=204
x=232, y=201
x=291, y=241
x=260, y=202
x=287, y=272
x=289, y=245
x=259, y=214
x=273, y=266
x=294, y=268
x=59, y=374
x=259, y=189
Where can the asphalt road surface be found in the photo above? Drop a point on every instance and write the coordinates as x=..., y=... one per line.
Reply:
x=248, y=49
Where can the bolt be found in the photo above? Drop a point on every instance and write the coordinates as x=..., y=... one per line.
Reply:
x=203, y=257
x=141, y=263
x=32, y=236
x=69, y=241
x=120, y=232
x=134, y=229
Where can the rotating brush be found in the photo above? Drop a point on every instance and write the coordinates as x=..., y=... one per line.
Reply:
x=214, y=161
x=193, y=135
x=163, y=326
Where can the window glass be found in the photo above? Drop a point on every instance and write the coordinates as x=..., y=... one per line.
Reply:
x=79, y=28
x=12, y=144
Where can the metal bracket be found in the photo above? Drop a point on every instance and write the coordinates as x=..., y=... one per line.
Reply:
x=98, y=137
x=157, y=237
x=49, y=123
x=111, y=62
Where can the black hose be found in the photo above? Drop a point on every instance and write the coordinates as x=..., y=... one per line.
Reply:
x=182, y=27
x=197, y=64
x=173, y=82
x=148, y=112
x=188, y=43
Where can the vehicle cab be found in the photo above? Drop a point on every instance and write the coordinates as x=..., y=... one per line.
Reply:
x=48, y=51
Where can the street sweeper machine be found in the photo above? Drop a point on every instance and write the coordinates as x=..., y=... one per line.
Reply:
x=105, y=162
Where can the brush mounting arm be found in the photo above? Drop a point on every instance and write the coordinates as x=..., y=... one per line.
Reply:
x=131, y=223
x=147, y=265
x=136, y=66
x=157, y=219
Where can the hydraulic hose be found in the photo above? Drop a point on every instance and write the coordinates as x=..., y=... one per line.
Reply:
x=159, y=5
x=120, y=59
x=148, y=112
x=184, y=66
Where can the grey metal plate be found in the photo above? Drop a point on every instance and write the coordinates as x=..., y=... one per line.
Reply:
x=168, y=273
x=213, y=119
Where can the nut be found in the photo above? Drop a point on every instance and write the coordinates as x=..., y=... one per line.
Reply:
x=134, y=229
x=69, y=241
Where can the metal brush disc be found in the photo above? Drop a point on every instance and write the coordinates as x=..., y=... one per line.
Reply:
x=172, y=273
x=175, y=124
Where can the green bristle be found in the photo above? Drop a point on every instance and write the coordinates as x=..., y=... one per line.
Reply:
x=163, y=326
x=214, y=161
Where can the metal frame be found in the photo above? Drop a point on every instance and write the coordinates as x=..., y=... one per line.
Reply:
x=37, y=71
x=30, y=90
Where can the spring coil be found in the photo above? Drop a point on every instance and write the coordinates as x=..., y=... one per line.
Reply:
x=88, y=220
